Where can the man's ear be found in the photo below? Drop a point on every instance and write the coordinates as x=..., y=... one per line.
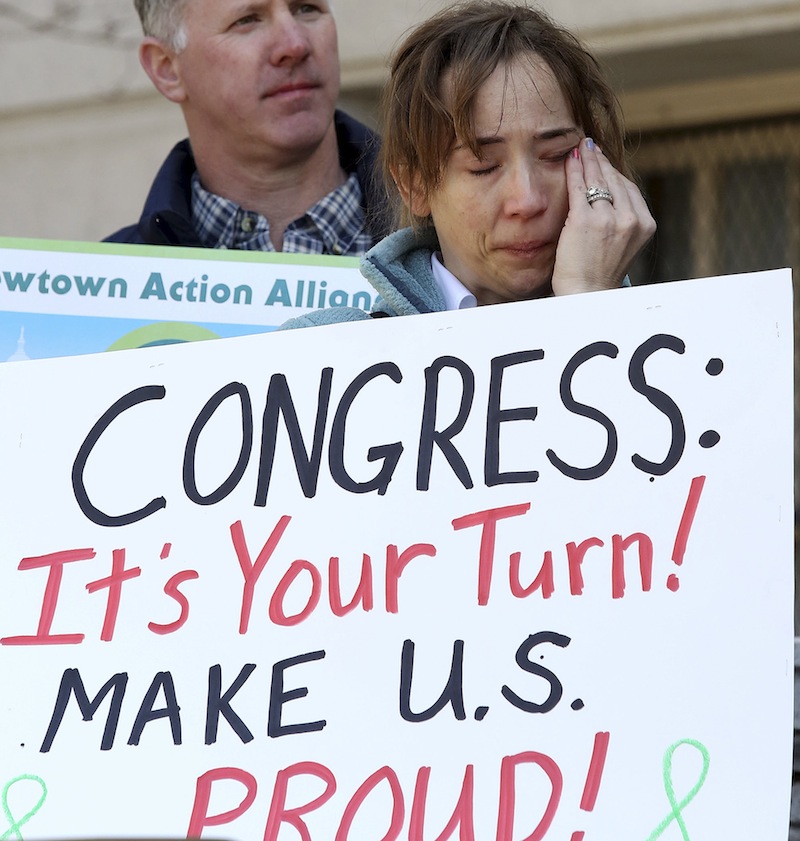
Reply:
x=162, y=66
x=411, y=192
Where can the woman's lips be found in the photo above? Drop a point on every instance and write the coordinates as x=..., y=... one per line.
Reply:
x=525, y=249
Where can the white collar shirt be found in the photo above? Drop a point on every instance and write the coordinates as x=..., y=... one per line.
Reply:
x=456, y=295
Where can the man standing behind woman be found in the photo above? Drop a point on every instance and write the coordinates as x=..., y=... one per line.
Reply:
x=503, y=149
x=270, y=164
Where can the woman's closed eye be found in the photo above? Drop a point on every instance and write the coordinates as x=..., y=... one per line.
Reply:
x=560, y=156
x=486, y=169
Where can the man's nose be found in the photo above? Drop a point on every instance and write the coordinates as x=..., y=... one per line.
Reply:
x=290, y=41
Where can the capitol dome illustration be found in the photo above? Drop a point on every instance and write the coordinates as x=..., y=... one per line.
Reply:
x=19, y=354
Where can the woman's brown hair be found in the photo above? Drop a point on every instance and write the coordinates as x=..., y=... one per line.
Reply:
x=468, y=40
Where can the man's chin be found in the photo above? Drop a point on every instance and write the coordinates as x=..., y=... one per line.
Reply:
x=302, y=131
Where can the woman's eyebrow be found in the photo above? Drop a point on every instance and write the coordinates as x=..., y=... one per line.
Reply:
x=553, y=133
x=547, y=134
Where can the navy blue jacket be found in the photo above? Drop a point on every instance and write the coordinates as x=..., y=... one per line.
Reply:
x=167, y=215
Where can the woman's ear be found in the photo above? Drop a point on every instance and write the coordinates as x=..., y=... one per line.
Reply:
x=411, y=192
x=162, y=65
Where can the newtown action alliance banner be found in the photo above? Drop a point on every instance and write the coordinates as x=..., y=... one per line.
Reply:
x=67, y=298
x=522, y=572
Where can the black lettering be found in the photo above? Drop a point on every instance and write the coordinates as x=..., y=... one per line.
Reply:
x=221, y=703
x=495, y=416
x=206, y=413
x=527, y=665
x=277, y=698
x=663, y=402
x=146, y=714
x=72, y=683
x=133, y=398
x=581, y=409
x=390, y=453
x=279, y=403
x=429, y=435
x=453, y=692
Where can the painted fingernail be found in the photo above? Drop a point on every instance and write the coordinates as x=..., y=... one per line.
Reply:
x=590, y=143
x=575, y=152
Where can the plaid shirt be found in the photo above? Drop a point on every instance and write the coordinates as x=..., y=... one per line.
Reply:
x=334, y=225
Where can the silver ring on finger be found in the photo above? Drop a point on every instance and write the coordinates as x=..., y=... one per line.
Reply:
x=594, y=194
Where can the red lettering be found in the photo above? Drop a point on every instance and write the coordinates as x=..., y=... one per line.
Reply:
x=508, y=785
x=544, y=579
x=575, y=556
x=55, y=561
x=463, y=814
x=460, y=824
x=114, y=583
x=595, y=773
x=363, y=592
x=279, y=814
x=200, y=817
x=618, y=547
x=395, y=566
x=276, y=612
x=171, y=588
x=593, y=777
x=685, y=528
x=488, y=521
x=398, y=805
x=252, y=571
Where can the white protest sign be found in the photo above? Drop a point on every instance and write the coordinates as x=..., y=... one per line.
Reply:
x=67, y=298
x=521, y=572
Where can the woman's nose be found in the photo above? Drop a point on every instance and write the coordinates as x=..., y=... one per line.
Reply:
x=527, y=192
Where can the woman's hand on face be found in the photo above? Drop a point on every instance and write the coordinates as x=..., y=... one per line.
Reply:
x=599, y=240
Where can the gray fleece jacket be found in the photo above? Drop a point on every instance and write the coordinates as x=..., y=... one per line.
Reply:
x=399, y=268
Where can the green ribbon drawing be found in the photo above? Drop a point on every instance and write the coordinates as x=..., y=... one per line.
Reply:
x=677, y=807
x=15, y=825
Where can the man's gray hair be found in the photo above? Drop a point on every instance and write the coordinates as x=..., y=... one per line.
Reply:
x=163, y=19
